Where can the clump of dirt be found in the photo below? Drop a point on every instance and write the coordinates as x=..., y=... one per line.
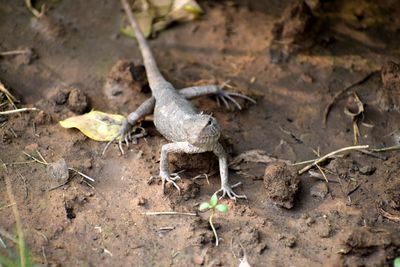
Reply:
x=371, y=247
x=188, y=190
x=294, y=32
x=282, y=184
x=63, y=103
x=125, y=78
x=389, y=95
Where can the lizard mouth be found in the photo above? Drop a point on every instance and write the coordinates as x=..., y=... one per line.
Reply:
x=209, y=135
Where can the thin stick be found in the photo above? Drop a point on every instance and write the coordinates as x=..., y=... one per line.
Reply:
x=153, y=213
x=14, y=52
x=390, y=148
x=40, y=155
x=35, y=159
x=321, y=159
x=340, y=93
x=82, y=174
x=303, y=162
x=9, y=96
x=322, y=172
x=8, y=112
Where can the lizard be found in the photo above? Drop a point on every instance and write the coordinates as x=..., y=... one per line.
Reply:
x=188, y=130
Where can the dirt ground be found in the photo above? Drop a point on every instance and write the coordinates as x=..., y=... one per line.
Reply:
x=292, y=62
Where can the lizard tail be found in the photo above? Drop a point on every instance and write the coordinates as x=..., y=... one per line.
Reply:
x=152, y=71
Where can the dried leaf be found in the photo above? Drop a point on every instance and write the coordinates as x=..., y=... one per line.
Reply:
x=145, y=21
x=96, y=125
x=156, y=15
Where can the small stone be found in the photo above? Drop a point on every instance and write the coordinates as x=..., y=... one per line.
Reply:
x=367, y=170
x=141, y=201
x=58, y=172
x=197, y=259
x=310, y=221
x=307, y=78
x=319, y=190
x=324, y=230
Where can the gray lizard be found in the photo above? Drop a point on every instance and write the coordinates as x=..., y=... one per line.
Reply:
x=176, y=119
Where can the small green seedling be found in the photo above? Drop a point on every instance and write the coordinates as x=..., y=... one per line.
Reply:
x=396, y=262
x=213, y=205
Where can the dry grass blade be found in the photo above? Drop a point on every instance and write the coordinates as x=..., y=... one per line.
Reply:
x=385, y=149
x=20, y=234
x=14, y=52
x=323, y=158
x=154, y=213
x=6, y=92
x=8, y=112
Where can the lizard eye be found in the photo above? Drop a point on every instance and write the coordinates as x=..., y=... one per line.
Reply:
x=209, y=122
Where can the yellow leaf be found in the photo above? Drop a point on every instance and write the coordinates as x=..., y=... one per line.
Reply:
x=96, y=125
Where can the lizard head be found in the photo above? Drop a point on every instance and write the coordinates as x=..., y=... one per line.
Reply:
x=202, y=130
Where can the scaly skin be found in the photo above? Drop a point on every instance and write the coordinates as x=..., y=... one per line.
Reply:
x=176, y=119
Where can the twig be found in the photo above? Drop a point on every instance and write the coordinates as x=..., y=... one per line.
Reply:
x=8, y=112
x=14, y=52
x=390, y=148
x=340, y=93
x=35, y=159
x=40, y=155
x=321, y=159
x=153, y=213
x=322, y=172
x=82, y=174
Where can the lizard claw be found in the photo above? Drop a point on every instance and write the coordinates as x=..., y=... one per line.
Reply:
x=125, y=135
x=227, y=191
x=225, y=96
x=167, y=178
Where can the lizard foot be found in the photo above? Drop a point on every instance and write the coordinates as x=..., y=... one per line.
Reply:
x=227, y=190
x=125, y=135
x=165, y=177
x=225, y=97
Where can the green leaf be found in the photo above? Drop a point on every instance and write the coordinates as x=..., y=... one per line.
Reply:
x=7, y=262
x=96, y=125
x=222, y=208
x=204, y=206
x=25, y=253
x=396, y=262
x=213, y=200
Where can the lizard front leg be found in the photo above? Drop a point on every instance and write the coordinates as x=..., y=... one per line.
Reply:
x=223, y=171
x=144, y=109
x=178, y=147
x=224, y=96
